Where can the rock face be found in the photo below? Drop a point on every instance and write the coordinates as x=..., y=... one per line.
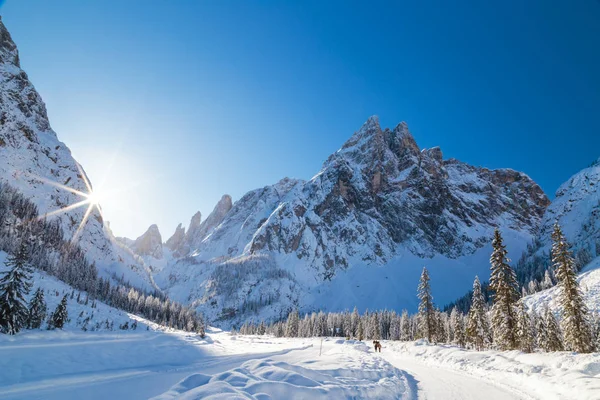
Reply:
x=175, y=241
x=379, y=197
x=377, y=192
x=200, y=230
x=34, y=161
x=149, y=244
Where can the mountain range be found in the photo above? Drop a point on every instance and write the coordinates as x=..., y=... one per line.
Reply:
x=356, y=234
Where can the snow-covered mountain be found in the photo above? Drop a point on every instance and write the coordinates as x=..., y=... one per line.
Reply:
x=378, y=201
x=35, y=162
x=576, y=207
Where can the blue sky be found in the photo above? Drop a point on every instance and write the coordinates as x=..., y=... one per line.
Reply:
x=189, y=100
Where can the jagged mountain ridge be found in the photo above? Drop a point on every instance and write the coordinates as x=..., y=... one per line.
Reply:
x=377, y=199
x=32, y=159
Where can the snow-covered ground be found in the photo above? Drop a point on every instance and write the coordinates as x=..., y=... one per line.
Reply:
x=589, y=281
x=146, y=364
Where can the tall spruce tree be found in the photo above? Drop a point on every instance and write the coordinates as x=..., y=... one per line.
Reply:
x=426, y=310
x=37, y=310
x=574, y=323
x=477, y=326
x=553, y=337
x=60, y=315
x=503, y=282
x=458, y=327
x=15, y=284
x=524, y=333
x=291, y=329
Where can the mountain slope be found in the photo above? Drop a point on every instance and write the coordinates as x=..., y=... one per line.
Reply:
x=378, y=201
x=35, y=162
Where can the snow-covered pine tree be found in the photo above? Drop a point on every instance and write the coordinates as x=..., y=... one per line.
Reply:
x=477, y=327
x=60, y=315
x=360, y=331
x=37, y=310
x=575, y=324
x=426, y=310
x=524, y=333
x=354, y=322
x=553, y=339
x=458, y=327
x=547, y=282
x=405, y=326
x=291, y=329
x=503, y=282
x=541, y=333
x=15, y=284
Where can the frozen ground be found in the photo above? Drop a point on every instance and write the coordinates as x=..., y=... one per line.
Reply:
x=166, y=365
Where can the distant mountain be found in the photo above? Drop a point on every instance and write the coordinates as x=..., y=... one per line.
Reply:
x=35, y=162
x=576, y=208
x=380, y=208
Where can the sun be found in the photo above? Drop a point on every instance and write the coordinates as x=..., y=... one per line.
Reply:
x=95, y=198
x=90, y=200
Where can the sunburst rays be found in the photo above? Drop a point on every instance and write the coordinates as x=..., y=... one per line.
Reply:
x=89, y=200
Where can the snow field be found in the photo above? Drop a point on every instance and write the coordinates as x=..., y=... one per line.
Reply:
x=547, y=376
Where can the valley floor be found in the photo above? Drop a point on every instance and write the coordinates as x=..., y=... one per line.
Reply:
x=144, y=364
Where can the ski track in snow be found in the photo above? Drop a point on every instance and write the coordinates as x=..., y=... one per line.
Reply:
x=167, y=365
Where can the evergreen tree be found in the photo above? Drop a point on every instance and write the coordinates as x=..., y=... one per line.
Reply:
x=503, y=282
x=60, y=316
x=405, y=326
x=426, y=311
x=524, y=333
x=15, y=284
x=553, y=339
x=293, y=320
x=541, y=334
x=575, y=325
x=458, y=327
x=477, y=327
x=37, y=310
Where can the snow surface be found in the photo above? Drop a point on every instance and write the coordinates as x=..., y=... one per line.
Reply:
x=589, y=282
x=167, y=365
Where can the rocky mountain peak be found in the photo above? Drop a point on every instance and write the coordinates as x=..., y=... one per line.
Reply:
x=176, y=240
x=149, y=243
x=8, y=49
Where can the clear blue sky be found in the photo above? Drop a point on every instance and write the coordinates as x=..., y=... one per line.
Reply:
x=193, y=99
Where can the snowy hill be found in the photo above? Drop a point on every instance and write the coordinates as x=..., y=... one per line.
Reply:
x=359, y=231
x=577, y=209
x=41, y=167
x=99, y=317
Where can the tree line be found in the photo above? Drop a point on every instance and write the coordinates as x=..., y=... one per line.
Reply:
x=41, y=243
x=506, y=324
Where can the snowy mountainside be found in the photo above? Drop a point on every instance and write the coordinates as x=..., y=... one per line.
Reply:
x=35, y=162
x=379, y=209
x=80, y=314
x=577, y=209
x=589, y=282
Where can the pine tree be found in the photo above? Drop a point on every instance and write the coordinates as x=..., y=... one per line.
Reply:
x=60, y=315
x=426, y=311
x=575, y=325
x=458, y=327
x=503, y=282
x=293, y=320
x=360, y=331
x=15, y=284
x=541, y=334
x=37, y=310
x=524, y=334
x=405, y=326
x=477, y=326
x=553, y=339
